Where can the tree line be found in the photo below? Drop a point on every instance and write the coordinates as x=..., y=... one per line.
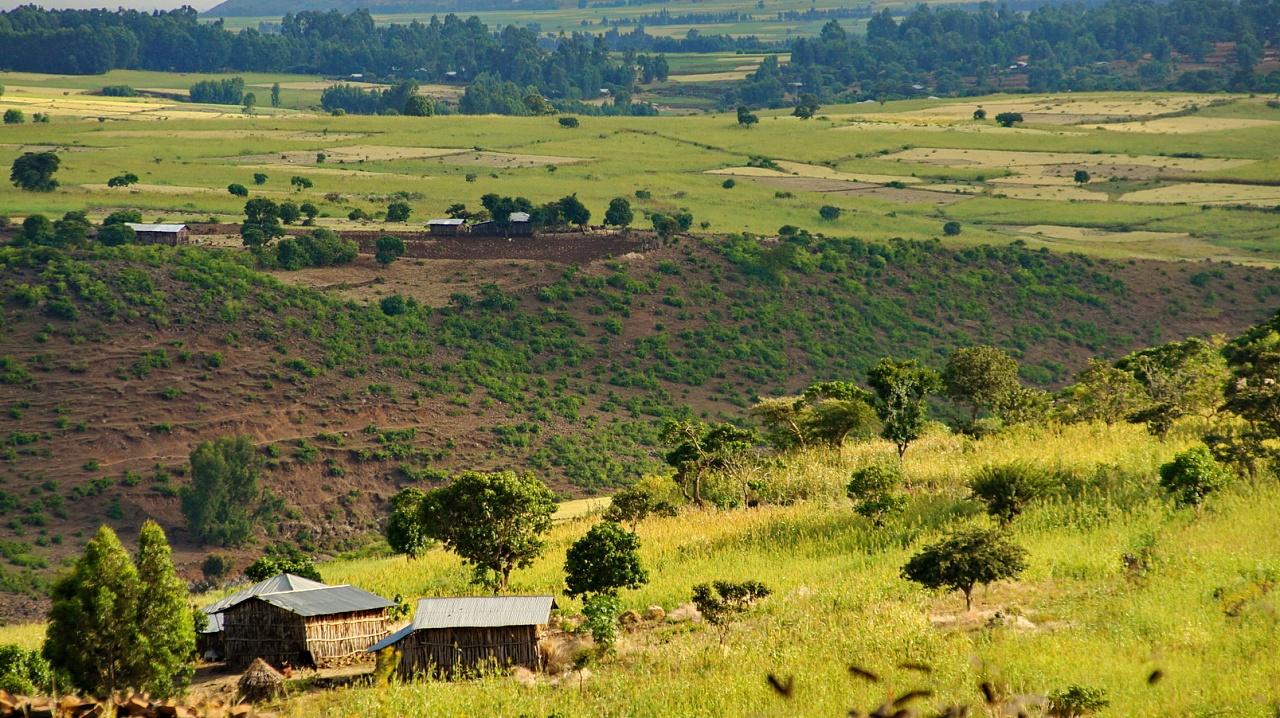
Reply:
x=1119, y=44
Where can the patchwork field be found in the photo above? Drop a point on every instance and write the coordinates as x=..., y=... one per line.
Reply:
x=903, y=169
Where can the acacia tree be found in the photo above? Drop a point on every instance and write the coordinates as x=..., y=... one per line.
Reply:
x=979, y=376
x=222, y=501
x=167, y=634
x=1180, y=379
x=698, y=449
x=902, y=391
x=964, y=559
x=493, y=521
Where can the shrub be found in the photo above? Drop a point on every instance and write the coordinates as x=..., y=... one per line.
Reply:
x=1077, y=701
x=282, y=559
x=829, y=212
x=652, y=495
x=951, y=228
x=1193, y=475
x=729, y=183
x=24, y=672
x=216, y=567
x=388, y=249
x=394, y=305
x=569, y=122
x=721, y=601
x=238, y=190
x=601, y=614
x=876, y=491
x=1007, y=489
x=14, y=117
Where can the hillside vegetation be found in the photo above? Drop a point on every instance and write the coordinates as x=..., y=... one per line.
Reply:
x=119, y=360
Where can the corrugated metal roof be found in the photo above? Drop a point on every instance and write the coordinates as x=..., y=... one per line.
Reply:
x=155, y=227
x=474, y=612
x=276, y=584
x=519, y=217
x=326, y=601
x=446, y=222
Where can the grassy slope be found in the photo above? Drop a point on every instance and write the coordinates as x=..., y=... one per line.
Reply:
x=569, y=376
x=839, y=599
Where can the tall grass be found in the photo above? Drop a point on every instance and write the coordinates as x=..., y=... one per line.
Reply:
x=839, y=599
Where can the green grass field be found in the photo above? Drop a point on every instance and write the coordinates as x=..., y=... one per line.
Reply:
x=186, y=163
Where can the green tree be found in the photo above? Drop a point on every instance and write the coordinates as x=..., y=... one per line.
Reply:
x=1181, y=379
x=282, y=559
x=1009, y=119
x=951, y=228
x=404, y=529
x=93, y=633
x=222, y=501
x=36, y=230
x=14, y=117
x=388, y=249
x=399, y=212
x=123, y=180
x=569, y=122
x=876, y=491
x=978, y=377
x=807, y=106
x=979, y=114
x=651, y=495
x=123, y=216
x=834, y=411
x=275, y=96
x=167, y=639
x=699, y=449
x=720, y=602
x=574, y=211
x=829, y=212
x=1192, y=475
x=72, y=230
x=1103, y=393
x=114, y=235
x=604, y=561
x=215, y=568
x=237, y=190
x=259, y=178
x=299, y=182
x=619, y=213
x=250, y=101
x=33, y=171
x=902, y=399
x=418, y=106
x=1006, y=489
x=745, y=117
x=1081, y=177
x=965, y=559
x=494, y=521
x=261, y=223
x=289, y=212
x=310, y=211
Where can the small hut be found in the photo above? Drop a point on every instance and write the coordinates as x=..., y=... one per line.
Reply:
x=209, y=639
x=314, y=625
x=449, y=636
x=447, y=227
x=261, y=682
x=169, y=234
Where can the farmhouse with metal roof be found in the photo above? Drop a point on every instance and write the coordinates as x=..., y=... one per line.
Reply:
x=449, y=636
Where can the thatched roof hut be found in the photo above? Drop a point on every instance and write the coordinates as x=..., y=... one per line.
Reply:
x=452, y=636
x=301, y=622
x=261, y=682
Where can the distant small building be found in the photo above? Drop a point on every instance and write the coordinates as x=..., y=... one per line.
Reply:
x=519, y=224
x=289, y=619
x=168, y=234
x=447, y=227
x=451, y=636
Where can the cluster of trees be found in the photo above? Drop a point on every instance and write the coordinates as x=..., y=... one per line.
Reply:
x=228, y=91
x=399, y=99
x=955, y=50
x=329, y=43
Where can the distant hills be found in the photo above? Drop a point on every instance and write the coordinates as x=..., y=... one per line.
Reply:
x=279, y=8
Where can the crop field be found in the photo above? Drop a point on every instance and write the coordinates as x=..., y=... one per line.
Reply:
x=1205, y=175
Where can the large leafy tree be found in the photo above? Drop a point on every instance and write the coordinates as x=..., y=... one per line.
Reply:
x=494, y=521
x=699, y=449
x=604, y=561
x=1104, y=393
x=902, y=391
x=1180, y=379
x=965, y=559
x=33, y=171
x=222, y=502
x=261, y=223
x=978, y=377
x=167, y=638
x=404, y=529
x=93, y=633
x=619, y=213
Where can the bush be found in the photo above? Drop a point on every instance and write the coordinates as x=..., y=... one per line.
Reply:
x=1077, y=701
x=215, y=568
x=282, y=559
x=119, y=91
x=601, y=614
x=24, y=672
x=14, y=117
x=729, y=183
x=876, y=491
x=395, y=305
x=829, y=212
x=722, y=601
x=951, y=228
x=1007, y=489
x=238, y=190
x=569, y=122
x=650, y=496
x=1193, y=475
x=388, y=249
x=114, y=235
